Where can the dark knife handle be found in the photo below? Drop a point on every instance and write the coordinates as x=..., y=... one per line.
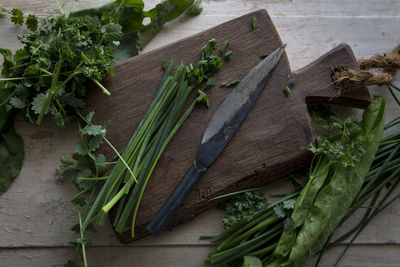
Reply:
x=163, y=216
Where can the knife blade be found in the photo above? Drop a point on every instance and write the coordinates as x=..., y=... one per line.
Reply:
x=220, y=130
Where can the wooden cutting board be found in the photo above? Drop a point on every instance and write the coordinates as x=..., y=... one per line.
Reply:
x=271, y=143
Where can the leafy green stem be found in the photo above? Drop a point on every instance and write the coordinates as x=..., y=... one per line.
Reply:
x=8, y=98
x=50, y=92
x=105, y=91
x=82, y=238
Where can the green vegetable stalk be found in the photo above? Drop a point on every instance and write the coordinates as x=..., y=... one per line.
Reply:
x=318, y=217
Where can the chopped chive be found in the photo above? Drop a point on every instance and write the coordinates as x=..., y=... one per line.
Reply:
x=233, y=83
x=228, y=55
x=254, y=23
x=164, y=64
x=224, y=46
x=287, y=91
x=224, y=84
x=210, y=81
x=212, y=43
x=203, y=62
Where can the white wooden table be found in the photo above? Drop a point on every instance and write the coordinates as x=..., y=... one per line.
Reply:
x=34, y=228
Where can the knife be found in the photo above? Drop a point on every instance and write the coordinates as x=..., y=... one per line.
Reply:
x=220, y=130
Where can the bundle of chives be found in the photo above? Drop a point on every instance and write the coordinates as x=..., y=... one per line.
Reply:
x=126, y=183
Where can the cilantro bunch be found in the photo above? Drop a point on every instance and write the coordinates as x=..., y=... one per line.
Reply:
x=48, y=76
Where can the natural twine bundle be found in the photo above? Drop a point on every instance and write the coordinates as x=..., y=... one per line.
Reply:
x=389, y=63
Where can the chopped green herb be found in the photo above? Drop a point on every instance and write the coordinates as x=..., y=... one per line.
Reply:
x=253, y=23
x=224, y=46
x=224, y=84
x=164, y=64
x=32, y=22
x=211, y=81
x=241, y=208
x=228, y=55
x=17, y=17
x=3, y=10
x=233, y=83
x=287, y=91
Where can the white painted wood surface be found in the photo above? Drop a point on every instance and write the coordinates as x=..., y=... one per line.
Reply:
x=34, y=229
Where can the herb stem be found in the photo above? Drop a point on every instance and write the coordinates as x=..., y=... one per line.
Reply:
x=82, y=237
x=8, y=98
x=50, y=92
x=59, y=7
x=105, y=91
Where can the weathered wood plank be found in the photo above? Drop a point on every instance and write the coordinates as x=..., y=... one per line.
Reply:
x=182, y=256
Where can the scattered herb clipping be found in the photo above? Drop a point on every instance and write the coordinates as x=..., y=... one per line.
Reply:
x=287, y=91
x=224, y=46
x=241, y=208
x=233, y=83
x=228, y=55
x=253, y=23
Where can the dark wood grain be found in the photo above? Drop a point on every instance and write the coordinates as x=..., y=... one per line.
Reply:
x=271, y=143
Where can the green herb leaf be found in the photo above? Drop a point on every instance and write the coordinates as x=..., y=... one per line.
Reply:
x=32, y=22
x=289, y=204
x=38, y=103
x=95, y=142
x=279, y=211
x=241, y=207
x=66, y=165
x=80, y=149
x=94, y=130
x=112, y=32
x=251, y=261
x=89, y=116
x=11, y=157
x=100, y=162
x=17, y=103
x=17, y=17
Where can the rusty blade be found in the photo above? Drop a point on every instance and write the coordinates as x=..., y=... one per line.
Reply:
x=231, y=113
